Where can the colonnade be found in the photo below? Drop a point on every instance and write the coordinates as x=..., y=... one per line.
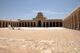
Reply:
x=4, y=23
x=73, y=20
x=52, y=24
x=27, y=24
x=30, y=24
x=43, y=24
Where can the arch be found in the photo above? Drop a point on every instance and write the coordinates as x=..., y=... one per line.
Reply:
x=19, y=24
x=25, y=24
x=0, y=23
x=34, y=24
x=3, y=23
x=43, y=24
x=60, y=24
x=39, y=23
x=57, y=24
x=22, y=24
x=50, y=24
x=28, y=24
x=6, y=24
x=46, y=24
x=75, y=20
x=53, y=24
x=31, y=24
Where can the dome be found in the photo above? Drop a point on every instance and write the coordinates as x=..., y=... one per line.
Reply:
x=40, y=14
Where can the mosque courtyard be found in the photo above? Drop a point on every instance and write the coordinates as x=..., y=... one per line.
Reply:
x=39, y=40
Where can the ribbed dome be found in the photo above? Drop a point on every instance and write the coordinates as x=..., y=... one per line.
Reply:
x=40, y=14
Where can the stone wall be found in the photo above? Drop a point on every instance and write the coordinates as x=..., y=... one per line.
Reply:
x=72, y=21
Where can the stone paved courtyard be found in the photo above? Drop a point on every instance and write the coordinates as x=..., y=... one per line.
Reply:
x=39, y=40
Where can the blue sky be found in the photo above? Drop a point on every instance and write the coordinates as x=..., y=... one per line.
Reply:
x=27, y=9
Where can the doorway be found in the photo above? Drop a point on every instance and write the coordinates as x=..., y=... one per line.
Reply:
x=39, y=23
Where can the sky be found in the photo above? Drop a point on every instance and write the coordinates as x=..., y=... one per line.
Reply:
x=28, y=9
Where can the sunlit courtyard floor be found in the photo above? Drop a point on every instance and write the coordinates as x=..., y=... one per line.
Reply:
x=39, y=40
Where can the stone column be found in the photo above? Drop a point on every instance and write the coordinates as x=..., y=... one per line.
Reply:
x=41, y=24
x=45, y=24
x=4, y=24
x=71, y=22
x=48, y=24
x=55, y=23
x=30, y=24
x=74, y=18
x=63, y=23
x=26, y=24
x=34, y=24
x=52, y=24
x=15, y=24
x=21, y=24
x=18, y=24
x=9, y=22
x=58, y=24
x=12, y=24
x=78, y=20
x=1, y=23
